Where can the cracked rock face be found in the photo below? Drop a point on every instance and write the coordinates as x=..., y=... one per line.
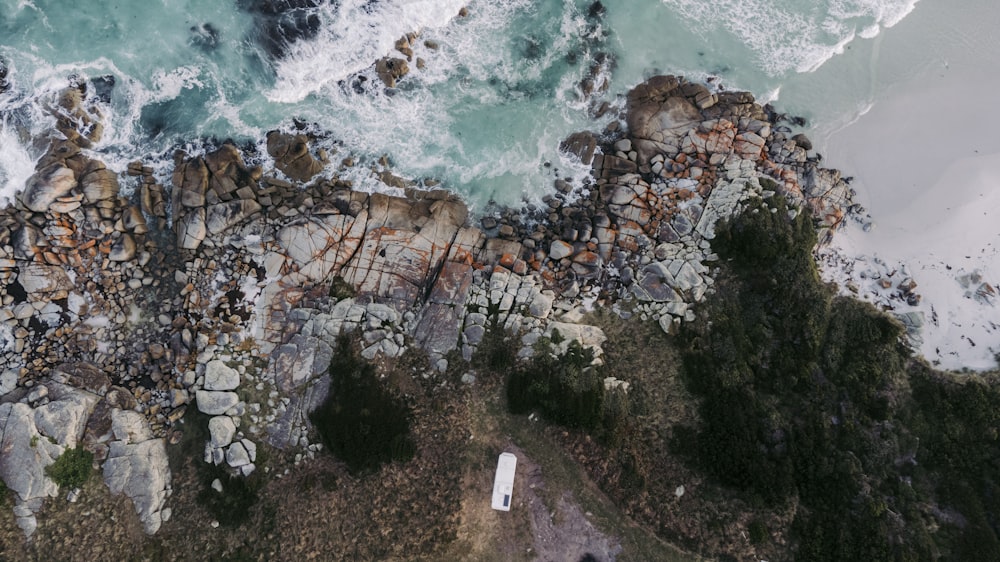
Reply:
x=34, y=432
x=137, y=467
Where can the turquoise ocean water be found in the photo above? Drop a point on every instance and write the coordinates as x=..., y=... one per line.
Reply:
x=499, y=89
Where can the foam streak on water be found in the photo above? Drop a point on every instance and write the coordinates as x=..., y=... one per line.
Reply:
x=786, y=35
x=16, y=164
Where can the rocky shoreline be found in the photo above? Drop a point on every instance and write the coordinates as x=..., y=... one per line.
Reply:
x=125, y=302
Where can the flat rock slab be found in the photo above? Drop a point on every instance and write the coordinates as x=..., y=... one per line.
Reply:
x=219, y=376
x=215, y=403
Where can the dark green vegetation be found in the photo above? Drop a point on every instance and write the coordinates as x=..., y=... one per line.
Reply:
x=72, y=468
x=361, y=421
x=566, y=389
x=811, y=400
x=240, y=496
x=340, y=289
x=238, y=500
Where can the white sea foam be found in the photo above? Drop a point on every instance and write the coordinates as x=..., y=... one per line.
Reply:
x=353, y=34
x=791, y=35
x=16, y=165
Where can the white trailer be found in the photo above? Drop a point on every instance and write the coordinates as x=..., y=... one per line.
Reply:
x=503, y=484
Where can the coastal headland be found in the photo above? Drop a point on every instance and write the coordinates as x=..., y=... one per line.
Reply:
x=127, y=303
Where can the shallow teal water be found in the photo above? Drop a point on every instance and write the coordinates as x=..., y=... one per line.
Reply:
x=485, y=115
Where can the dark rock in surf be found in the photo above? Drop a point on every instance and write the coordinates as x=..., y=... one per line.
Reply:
x=281, y=23
x=4, y=85
x=103, y=87
x=205, y=36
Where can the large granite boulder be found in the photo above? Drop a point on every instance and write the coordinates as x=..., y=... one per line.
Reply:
x=192, y=229
x=223, y=216
x=25, y=454
x=137, y=467
x=47, y=185
x=291, y=156
x=219, y=376
x=99, y=184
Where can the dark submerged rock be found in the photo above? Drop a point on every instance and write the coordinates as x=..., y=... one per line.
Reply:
x=205, y=36
x=280, y=23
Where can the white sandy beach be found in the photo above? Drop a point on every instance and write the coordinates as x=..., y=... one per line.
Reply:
x=926, y=162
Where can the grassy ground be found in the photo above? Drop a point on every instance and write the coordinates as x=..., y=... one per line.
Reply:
x=434, y=507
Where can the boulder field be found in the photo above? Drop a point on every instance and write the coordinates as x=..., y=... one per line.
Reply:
x=127, y=299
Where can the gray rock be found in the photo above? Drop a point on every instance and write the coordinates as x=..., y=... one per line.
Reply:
x=141, y=472
x=26, y=453
x=37, y=278
x=251, y=448
x=474, y=333
x=559, y=250
x=222, y=430
x=237, y=456
x=223, y=216
x=219, y=376
x=215, y=403
x=47, y=185
x=64, y=417
x=192, y=229
x=541, y=306
x=99, y=185
x=298, y=361
x=129, y=426
x=682, y=224
x=687, y=277
x=8, y=381
x=624, y=145
x=123, y=249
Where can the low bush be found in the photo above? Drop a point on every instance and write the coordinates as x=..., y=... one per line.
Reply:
x=801, y=394
x=72, y=469
x=568, y=389
x=239, y=497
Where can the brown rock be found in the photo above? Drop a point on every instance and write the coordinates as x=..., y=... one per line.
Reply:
x=123, y=249
x=390, y=70
x=655, y=120
x=226, y=215
x=192, y=229
x=46, y=185
x=292, y=157
x=99, y=185
x=582, y=144
x=190, y=183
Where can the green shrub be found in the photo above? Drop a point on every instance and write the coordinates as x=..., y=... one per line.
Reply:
x=72, y=468
x=361, y=422
x=758, y=532
x=239, y=497
x=567, y=390
x=497, y=351
x=340, y=289
x=796, y=388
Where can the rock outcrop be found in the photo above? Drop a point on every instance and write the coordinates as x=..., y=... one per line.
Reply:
x=226, y=289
